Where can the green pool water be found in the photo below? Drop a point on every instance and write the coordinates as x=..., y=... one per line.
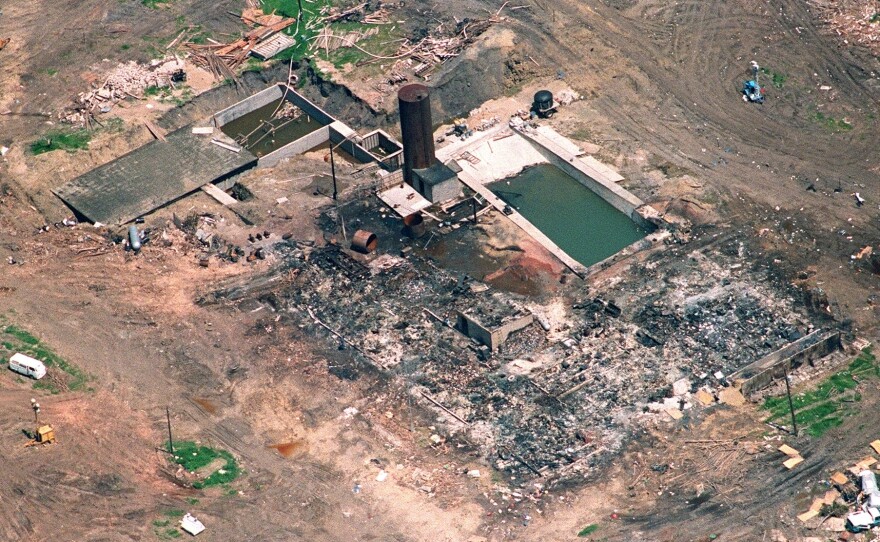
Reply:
x=261, y=134
x=585, y=226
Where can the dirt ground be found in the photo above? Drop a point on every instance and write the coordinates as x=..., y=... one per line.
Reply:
x=662, y=103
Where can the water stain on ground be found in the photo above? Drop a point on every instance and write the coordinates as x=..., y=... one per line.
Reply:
x=287, y=449
x=206, y=404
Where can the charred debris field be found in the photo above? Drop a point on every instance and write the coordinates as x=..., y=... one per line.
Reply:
x=561, y=396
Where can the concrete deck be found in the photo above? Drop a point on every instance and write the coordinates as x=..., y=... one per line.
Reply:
x=470, y=177
x=151, y=176
x=403, y=199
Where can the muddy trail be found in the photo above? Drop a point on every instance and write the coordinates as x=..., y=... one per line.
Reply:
x=666, y=78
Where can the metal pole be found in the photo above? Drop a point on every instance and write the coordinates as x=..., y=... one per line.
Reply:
x=474, y=206
x=170, y=441
x=333, y=170
x=790, y=403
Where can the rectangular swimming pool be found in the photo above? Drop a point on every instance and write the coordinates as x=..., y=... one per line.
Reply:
x=579, y=221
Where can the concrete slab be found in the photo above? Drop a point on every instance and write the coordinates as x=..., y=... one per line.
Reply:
x=151, y=176
x=403, y=199
x=563, y=142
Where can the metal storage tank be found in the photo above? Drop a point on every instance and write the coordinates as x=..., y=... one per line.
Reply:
x=416, y=128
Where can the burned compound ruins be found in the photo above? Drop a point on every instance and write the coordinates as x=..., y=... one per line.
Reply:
x=545, y=377
x=558, y=260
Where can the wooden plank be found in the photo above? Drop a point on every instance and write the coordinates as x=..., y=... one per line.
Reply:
x=157, y=132
x=830, y=496
x=225, y=199
x=705, y=397
x=674, y=413
x=867, y=462
x=808, y=515
x=876, y=446
x=792, y=462
x=789, y=451
x=839, y=478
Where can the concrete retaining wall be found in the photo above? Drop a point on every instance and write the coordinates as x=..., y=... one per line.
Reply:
x=251, y=103
x=761, y=373
x=301, y=145
x=333, y=130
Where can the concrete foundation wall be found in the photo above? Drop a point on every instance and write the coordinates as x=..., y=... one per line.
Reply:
x=493, y=338
x=309, y=108
x=443, y=191
x=501, y=334
x=378, y=138
x=338, y=133
x=763, y=372
x=474, y=330
x=247, y=105
x=301, y=145
x=332, y=129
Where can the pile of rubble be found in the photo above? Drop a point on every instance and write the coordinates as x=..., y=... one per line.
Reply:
x=124, y=81
x=856, y=22
x=264, y=40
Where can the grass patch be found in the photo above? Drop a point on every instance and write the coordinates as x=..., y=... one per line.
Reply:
x=776, y=79
x=383, y=43
x=174, y=513
x=192, y=457
x=588, y=530
x=826, y=406
x=19, y=340
x=192, y=501
x=168, y=534
x=302, y=32
x=253, y=65
x=157, y=91
x=62, y=140
x=69, y=141
x=51, y=71
x=835, y=125
x=155, y=4
x=875, y=17
x=161, y=523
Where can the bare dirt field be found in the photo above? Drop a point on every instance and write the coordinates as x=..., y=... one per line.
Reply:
x=335, y=438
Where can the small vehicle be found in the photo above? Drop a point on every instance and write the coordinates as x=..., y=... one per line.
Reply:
x=751, y=90
x=27, y=366
x=863, y=520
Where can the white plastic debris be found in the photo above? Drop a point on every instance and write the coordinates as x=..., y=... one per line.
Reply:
x=474, y=473
x=382, y=476
x=191, y=525
x=350, y=411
